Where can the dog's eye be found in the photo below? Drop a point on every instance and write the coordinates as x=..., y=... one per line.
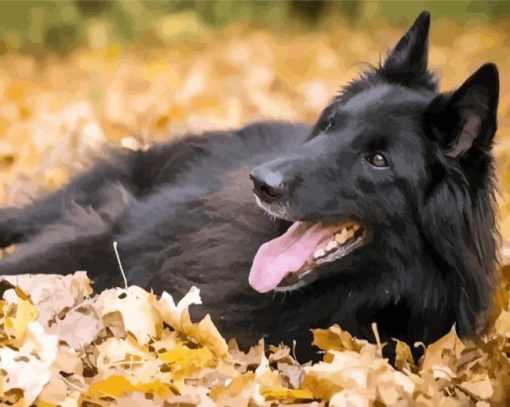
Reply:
x=377, y=160
x=327, y=124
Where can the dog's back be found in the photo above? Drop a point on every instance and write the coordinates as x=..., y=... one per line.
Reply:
x=187, y=191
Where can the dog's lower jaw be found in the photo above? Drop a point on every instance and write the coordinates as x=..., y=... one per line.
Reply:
x=293, y=287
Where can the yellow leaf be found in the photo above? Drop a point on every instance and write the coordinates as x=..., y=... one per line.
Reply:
x=20, y=403
x=435, y=351
x=177, y=316
x=185, y=361
x=17, y=325
x=115, y=386
x=403, y=357
x=209, y=336
x=17, y=91
x=234, y=390
x=267, y=378
x=480, y=389
x=51, y=294
x=502, y=324
x=344, y=370
x=40, y=403
x=334, y=338
x=285, y=394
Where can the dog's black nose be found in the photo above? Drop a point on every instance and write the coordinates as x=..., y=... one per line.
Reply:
x=267, y=184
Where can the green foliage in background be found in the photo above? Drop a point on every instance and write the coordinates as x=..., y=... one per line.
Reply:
x=32, y=26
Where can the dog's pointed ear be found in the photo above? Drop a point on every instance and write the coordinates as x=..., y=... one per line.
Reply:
x=466, y=118
x=407, y=62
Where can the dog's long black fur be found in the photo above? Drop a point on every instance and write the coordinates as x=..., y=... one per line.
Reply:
x=184, y=214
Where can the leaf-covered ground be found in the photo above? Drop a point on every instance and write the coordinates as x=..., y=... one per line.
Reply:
x=62, y=346
x=59, y=344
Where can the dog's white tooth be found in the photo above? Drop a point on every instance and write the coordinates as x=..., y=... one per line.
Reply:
x=332, y=244
x=355, y=227
x=319, y=253
x=350, y=233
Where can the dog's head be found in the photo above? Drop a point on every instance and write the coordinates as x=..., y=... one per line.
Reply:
x=377, y=154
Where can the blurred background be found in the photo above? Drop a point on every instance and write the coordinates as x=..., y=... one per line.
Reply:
x=76, y=74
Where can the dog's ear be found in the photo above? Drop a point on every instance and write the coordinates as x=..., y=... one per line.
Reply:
x=466, y=118
x=407, y=62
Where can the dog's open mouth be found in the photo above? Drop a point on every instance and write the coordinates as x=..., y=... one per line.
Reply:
x=282, y=263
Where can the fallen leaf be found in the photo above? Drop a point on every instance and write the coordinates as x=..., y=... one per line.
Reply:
x=135, y=306
x=403, y=355
x=481, y=389
x=185, y=361
x=115, y=386
x=436, y=352
x=28, y=369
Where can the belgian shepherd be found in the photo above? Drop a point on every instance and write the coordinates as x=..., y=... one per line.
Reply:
x=382, y=211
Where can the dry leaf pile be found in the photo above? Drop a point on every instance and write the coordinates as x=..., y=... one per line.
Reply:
x=62, y=346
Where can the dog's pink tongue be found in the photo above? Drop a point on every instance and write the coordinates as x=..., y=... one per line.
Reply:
x=287, y=254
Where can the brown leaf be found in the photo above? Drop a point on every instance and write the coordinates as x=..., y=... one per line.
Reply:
x=439, y=352
x=481, y=388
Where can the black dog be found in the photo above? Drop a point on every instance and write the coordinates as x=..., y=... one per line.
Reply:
x=383, y=211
